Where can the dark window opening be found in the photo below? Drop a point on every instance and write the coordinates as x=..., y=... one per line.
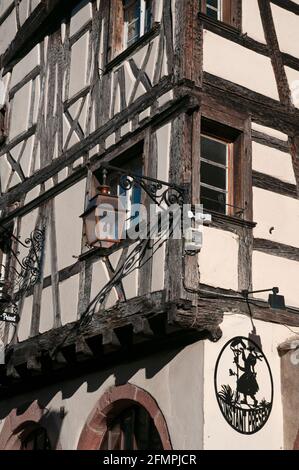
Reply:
x=133, y=429
x=227, y=11
x=37, y=439
x=137, y=20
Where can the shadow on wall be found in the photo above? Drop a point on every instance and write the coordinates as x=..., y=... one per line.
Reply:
x=44, y=393
x=25, y=423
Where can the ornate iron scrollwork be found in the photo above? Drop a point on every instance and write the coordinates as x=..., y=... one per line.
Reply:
x=16, y=282
x=158, y=191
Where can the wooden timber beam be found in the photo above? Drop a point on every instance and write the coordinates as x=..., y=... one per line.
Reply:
x=269, y=183
x=43, y=20
x=264, y=110
x=276, y=249
x=287, y=5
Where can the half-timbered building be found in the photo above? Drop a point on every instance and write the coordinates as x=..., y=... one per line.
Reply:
x=203, y=96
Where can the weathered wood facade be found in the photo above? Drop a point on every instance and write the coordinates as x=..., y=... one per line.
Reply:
x=75, y=97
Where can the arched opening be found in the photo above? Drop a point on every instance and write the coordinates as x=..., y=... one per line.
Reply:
x=132, y=429
x=125, y=418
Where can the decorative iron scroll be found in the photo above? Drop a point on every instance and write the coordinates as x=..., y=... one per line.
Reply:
x=20, y=279
x=244, y=385
x=159, y=191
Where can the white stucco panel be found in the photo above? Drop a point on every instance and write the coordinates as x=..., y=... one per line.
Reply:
x=276, y=212
x=218, y=259
x=20, y=111
x=80, y=15
x=251, y=20
x=69, y=205
x=270, y=131
x=238, y=64
x=272, y=162
x=273, y=271
x=24, y=66
x=287, y=26
x=78, y=70
x=8, y=30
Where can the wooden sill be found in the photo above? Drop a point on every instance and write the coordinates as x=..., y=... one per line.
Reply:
x=207, y=20
x=155, y=30
x=231, y=220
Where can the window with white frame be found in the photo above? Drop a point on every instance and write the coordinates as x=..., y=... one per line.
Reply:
x=216, y=187
x=214, y=9
x=137, y=20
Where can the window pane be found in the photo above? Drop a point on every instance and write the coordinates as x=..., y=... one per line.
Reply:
x=132, y=19
x=213, y=200
x=212, y=3
x=213, y=150
x=213, y=175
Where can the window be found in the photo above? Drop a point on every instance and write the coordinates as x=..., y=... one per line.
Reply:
x=133, y=429
x=130, y=20
x=214, y=9
x=224, y=169
x=37, y=439
x=137, y=20
x=226, y=11
x=216, y=174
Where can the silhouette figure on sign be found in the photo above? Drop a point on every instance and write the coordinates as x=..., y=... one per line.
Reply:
x=246, y=383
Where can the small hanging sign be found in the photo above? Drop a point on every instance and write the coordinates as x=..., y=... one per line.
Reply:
x=9, y=317
x=244, y=385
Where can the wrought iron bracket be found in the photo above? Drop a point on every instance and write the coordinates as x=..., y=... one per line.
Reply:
x=158, y=191
x=16, y=281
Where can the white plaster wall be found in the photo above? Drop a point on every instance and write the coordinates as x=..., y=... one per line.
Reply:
x=69, y=296
x=25, y=65
x=217, y=433
x=237, y=64
x=46, y=311
x=272, y=271
x=286, y=25
x=272, y=162
x=163, y=375
x=218, y=259
x=78, y=69
x=20, y=111
x=8, y=30
x=163, y=140
x=25, y=321
x=274, y=210
x=69, y=205
x=270, y=131
x=251, y=20
x=4, y=4
x=80, y=15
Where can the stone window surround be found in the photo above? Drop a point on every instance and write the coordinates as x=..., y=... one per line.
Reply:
x=115, y=400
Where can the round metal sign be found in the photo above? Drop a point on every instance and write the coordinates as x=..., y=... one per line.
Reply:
x=244, y=385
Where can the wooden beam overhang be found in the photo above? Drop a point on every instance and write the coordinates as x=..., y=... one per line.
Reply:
x=127, y=331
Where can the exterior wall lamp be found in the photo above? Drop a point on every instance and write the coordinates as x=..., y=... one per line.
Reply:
x=105, y=216
x=275, y=301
